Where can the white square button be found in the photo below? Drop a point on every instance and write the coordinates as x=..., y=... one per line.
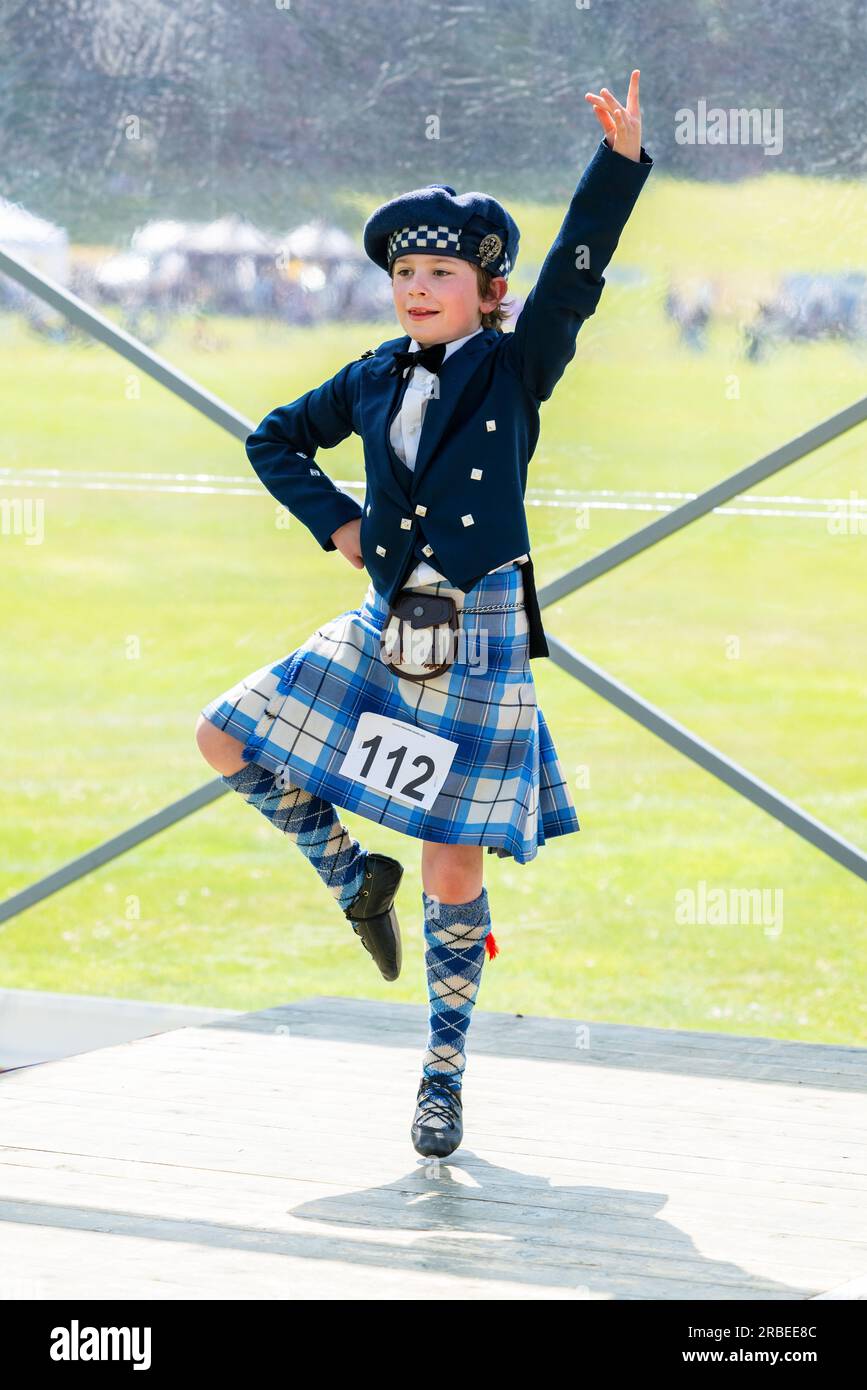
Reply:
x=380, y=550
x=420, y=510
x=368, y=509
x=490, y=425
x=405, y=522
x=427, y=550
x=314, y=470
x=476, y=473
x=468, y=519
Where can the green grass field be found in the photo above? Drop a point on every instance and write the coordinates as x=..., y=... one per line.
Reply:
x=222, y=910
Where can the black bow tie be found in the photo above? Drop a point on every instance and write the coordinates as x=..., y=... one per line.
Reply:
x=430, y=357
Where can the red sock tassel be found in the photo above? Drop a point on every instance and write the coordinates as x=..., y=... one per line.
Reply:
x=491, y=946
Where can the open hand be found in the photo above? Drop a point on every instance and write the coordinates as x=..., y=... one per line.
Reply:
x=622, y=125
x=347, y=538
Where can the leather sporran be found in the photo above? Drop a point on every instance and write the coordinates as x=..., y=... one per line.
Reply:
x=419, y=635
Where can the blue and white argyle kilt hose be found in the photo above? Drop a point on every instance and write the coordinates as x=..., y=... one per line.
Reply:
x=504, y=788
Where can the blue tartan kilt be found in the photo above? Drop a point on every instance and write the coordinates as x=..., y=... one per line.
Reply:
x=505, y=788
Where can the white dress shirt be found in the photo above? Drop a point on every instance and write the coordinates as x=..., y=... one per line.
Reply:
x=405, y=434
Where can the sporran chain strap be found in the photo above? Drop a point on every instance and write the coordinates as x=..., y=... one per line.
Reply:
x=493, y=608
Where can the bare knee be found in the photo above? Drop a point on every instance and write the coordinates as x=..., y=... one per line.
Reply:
x=452, y=873
x=218, y=748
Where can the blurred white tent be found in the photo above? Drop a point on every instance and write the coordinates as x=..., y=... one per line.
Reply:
x=234, y=235
x=313, y=271
x=122, y=271
x=40, y=243
x=230, y=236
x=226, y=236
x=162, y=234
x=317, y=241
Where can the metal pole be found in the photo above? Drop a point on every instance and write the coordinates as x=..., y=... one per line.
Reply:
x=107, y=332
x=679, y=737
x=110, y=849
x=672, y=521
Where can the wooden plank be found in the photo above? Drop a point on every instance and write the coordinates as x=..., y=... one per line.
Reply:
x=631, y=1106
x=782, y=1217
x=611, y=1045
x=253, y=1206
x=325, y=1111
x=125, y=1265
x=519, y=1255
x=778, y=1129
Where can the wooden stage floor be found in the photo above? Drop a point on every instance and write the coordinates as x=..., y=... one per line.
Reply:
x=267, y=1155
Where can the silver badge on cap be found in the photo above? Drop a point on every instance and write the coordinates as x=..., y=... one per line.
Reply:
x=490, y=248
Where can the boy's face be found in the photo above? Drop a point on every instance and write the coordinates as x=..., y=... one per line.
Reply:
x=446, y=289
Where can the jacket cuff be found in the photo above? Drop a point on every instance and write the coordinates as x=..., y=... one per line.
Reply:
x=618, y=159
x=345, y=509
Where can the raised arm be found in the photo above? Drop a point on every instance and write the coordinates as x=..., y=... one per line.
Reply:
x=571, y=279
x=282, y=450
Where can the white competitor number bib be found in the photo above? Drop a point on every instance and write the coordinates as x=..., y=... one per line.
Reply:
x=398, y=759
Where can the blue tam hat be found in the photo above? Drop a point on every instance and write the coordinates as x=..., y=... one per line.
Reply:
x=435, y=220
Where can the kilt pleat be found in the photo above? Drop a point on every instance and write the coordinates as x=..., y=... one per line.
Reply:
x=505, y=788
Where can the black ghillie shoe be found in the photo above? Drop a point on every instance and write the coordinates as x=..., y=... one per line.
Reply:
x=372, y=914
x=437, y=1101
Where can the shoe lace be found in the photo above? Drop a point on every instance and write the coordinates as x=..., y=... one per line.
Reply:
x=430, y=1101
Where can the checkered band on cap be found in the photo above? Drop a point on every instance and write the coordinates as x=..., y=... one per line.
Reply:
x=422, y=238
x=428, y=238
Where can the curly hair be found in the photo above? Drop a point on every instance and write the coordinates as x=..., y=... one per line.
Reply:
x=496, y=317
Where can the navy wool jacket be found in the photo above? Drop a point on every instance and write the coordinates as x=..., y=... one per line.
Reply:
x=465, y=497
